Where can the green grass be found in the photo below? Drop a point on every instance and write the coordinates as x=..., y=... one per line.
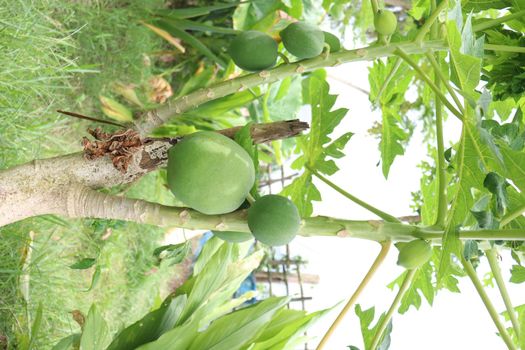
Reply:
x=58, y=54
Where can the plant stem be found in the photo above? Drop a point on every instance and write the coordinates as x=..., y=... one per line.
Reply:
x=380, y=213
x=492, y=257
x=497, y=21
x=375, y=6
x=430, y=83
x=511, y=216
x=402, y=290
x=388, y=78
x=154, y=118
x=469, y=269
x=505, y=235
x=504, y=48
x=385, y=247
x=441, y=166
x=430, y=21
x=441, y=76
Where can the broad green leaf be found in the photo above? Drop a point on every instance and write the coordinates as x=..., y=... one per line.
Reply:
x=429, y=207
x=366, y=318
x=199, y=26
x=515, y=166
x=207, y=253
x=199, y=80
x=465, y=68
x=303, y=192
x=190, y=40
x=317, y=145
x=517, y=274
x=473, y=161
x=95, y=278
x=244, y=138
x=191, y=12
x=95, y=335
x=209, y=293
x=174, y=253
x=256, y=14
x=392, y=137
x=71, y=342
x=83, y=264
x=224, y=106
x=233, y=331
x=285, y=328
x=151, y=326
x=422, y=283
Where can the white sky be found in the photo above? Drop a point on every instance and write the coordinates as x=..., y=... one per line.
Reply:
x=457, y=321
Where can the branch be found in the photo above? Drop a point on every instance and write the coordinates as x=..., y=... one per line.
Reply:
x=385, y=247
x=37, y=187
x=492, y=257
x=154, y=118
x=469, y=269
x=388, y=316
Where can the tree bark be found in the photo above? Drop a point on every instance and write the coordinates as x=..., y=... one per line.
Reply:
x=42, y=186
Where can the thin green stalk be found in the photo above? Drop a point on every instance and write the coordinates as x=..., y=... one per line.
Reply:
x=154, y=118
x=442, y=77
x=402, y=290
x=375, y=7
x=441, y=167
x=385, y=247
x=492, y=257
x=504, y=48
x=430, y=21
x=512, y=215
x=497, y=21
x=469, y=269
x=430, y=83
x=380, y=213
x=389, y=77
x=505, y=235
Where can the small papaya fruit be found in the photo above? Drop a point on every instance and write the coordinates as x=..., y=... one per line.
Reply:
x=253, y=50
x=303, y=40
x=233, y=236
x=385, y=22
x=210, y=172
x=332, y=41
x=414, y=254
x=274, y=220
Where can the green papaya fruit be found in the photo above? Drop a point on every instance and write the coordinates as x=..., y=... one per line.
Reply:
x=274, y=220
x=253, y=50
x=332, y=41
x=303, y=40
x=210, y=172
x=385, y=22
x=414, y=254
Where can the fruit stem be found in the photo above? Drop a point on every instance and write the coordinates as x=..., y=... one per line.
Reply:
x=430, y=83
x=380, y=213
x=375, y=6
x=439, y=74
x=402, y=290
x=497, y=21
x=250, y=199
x=504, y=48
x=429, y=21
x=385, y=247
x=492, y=257
x=469, y=269
x=284, y=57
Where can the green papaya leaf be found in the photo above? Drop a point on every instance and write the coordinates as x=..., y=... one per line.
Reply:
x=240, y=328
x=366, y=318
x=83, y=264
x=151, y=326
x=71, y=342
x=95, y=335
